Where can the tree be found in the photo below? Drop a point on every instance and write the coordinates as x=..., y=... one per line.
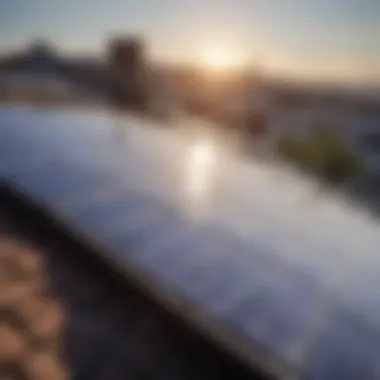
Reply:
x=295, y=151
x=326, y=154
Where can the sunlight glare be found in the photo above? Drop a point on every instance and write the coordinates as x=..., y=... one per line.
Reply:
x=219, y=59
x=201, y=161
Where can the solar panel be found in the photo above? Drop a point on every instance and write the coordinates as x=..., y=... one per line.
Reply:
x=281, y=274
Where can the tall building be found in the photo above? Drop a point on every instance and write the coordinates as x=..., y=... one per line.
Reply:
x=128, y=73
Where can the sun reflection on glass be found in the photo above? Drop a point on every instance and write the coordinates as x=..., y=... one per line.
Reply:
x=200, y=168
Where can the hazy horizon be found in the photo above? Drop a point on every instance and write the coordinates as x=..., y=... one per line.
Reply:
x=313, y=40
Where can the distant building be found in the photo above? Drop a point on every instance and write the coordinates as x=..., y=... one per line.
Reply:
x=128, y=73
x=36, y=59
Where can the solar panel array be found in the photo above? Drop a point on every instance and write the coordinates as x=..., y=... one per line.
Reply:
x=63, y=317
x=287, y=282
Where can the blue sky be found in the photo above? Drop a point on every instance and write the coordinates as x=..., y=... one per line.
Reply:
x=315, y=38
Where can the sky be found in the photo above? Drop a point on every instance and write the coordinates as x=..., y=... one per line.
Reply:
x=308, y=38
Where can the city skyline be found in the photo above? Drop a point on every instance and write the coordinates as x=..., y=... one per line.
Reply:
x=309, y=39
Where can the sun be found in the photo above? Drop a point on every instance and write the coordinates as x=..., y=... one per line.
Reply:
x=220, y=59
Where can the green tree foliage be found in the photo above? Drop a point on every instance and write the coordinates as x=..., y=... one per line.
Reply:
x=294, y=150
x=327, y=154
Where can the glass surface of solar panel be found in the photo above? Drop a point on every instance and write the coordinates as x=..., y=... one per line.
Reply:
x=55, y=179
x=345, y=350
x=247, y=247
